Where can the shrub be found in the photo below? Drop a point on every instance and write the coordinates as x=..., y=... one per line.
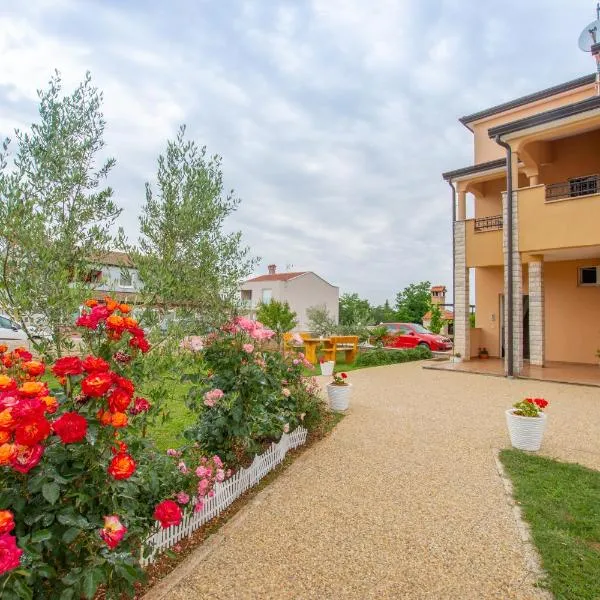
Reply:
x=245, y=396
x=379, y=356
x=81, y=482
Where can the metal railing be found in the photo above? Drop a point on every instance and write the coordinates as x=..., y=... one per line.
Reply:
x=575, y=187
x=488, y=223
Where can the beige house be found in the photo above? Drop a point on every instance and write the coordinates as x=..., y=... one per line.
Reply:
x=438, y=297
x=300, y=289
x=533, y=238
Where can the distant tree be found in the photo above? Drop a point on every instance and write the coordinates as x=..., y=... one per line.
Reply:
x=383, y=314
x=278, y=316
x=320, y=322
x=56, y=214
x=413, y=302
x=437, y=319
x=354, y=310
x=184, y=256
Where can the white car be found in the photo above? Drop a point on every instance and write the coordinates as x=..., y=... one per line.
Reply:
x=11, y=334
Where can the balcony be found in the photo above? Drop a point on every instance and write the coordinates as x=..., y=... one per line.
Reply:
x=574, y=188
x=488, y=223
x=558, y=216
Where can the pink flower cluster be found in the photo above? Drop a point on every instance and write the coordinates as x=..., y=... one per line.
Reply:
x=255, y=329
x=211, y=397
x=209, y=472
x=193, y=342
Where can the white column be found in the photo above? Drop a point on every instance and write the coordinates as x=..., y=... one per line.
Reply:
x=462, y=326
x=517, y=287
x=536, y=313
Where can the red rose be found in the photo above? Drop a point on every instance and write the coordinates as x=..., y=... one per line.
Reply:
x=343, y=376
x=99, y=313
x=168, y=513
x=10, y=553
x=139, y=342
x=71, y=427
x=122, y=465
x=67, y=365
x=541, y=403
x=32, y=430
x=97, y=384
x=34, y=368
x=125, y=384
x=21, y=354
x=95, y=364
x=86, y=320
x=26, y=457
x=119, y=400
x=140, y=405
x=29, y=407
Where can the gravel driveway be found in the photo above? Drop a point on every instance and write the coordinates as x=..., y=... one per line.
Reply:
x=403, y=500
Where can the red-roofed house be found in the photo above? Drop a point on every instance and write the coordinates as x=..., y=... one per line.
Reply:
x=300, y=289
x=438, y=296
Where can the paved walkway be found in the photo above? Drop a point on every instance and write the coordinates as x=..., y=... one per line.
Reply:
x=403, y=500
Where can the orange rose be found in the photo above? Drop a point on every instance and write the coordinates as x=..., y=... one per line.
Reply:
x=122, y=466
x=34, y=368
x=7, y=453
x=32, y=388
x=115, y=322
x=104, y=417
x=7, y=383
x=118, y=419
x=7, y=421
x=130, y=322
x=7, y=521
x=7, y=361
x=4, y=436
x=91, y=303
x=51, y=404
x=3, y=348
x=111, y=305
x=124, y=308
x=97, y=384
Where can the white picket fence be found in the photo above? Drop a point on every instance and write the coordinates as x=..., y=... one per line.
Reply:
x=225, y=493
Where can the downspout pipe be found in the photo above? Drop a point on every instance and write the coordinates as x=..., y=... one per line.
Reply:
x=453, y=254
x=509, y=266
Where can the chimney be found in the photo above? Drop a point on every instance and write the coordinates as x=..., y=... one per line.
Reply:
x=272, y=269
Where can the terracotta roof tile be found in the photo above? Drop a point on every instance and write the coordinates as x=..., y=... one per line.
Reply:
x=277, y=277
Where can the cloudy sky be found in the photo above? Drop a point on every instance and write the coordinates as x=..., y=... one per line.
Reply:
x=334, y=118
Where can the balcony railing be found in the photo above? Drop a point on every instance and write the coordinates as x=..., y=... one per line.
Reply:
x=488, y=223
x=578, y=186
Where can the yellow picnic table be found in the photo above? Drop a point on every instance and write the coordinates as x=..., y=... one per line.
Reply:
x=310, y=348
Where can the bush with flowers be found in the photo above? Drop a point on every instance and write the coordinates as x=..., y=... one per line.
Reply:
x=81, y=483
x=530, y=407
x=248, y=394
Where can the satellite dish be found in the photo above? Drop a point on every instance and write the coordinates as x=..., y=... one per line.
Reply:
x=590, y=36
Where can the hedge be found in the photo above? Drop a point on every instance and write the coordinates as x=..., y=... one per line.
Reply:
x=372, y=358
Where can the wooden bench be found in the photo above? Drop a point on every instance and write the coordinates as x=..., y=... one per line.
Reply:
x=341, y=343
x=287, y=338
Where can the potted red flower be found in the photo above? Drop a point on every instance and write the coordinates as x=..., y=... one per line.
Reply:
x=526, y=422
x=339, y=391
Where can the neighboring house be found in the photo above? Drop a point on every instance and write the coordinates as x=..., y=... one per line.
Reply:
x=438, y=296
x=115, y=276
x=301, y=290
x=544, y=147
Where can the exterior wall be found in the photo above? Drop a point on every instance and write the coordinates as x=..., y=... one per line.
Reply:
x=486, y=149
x=484, y=248
x=489, y=203
x=568, y=223
x=310, y=290
x=111, y=280
x=489, y=286
x=257, y=287
x=572, y=323
x=573, y=156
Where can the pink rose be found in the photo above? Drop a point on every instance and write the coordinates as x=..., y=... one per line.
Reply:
x=220, y=475
x=198, y=506
x=217, y=461
x=211, y=397
x=249, y=348
x=182, y=498
x=286, y=428
x=286, y=392
x=173, y=452
x=295, y=362
x=183, y=468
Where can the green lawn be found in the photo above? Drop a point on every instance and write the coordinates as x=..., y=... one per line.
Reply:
x=561, y=502
x=340, y=365
x=170, y=433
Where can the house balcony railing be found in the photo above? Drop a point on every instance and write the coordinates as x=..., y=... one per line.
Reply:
x=578, y=186
x=493, y=223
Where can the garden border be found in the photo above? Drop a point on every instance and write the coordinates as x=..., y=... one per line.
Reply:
x=225, y=493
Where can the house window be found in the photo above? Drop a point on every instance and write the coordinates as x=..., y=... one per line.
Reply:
x=267, y=296
x=589, y=276
x=583, y=186
x=126, y=279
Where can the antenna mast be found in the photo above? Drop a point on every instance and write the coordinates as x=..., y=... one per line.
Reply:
x=589, y=42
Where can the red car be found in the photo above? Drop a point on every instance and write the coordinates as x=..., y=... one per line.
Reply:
x=411, y=335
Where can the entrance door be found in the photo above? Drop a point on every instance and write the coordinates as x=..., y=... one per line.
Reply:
x=525, y=326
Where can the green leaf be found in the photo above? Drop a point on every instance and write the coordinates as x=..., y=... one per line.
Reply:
x=92, y=579
x=41, y=536
x=73, y=520
x=70, y=534
x=22, y=589
x=45, y=571
x=92, y=433
x=51, y=492
x=67, y=594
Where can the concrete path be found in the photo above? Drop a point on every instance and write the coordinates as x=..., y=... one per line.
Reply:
x=403, y=500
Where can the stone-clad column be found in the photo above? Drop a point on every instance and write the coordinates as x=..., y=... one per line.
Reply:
x=462, y=328
x=517, y=287
x=536, y=312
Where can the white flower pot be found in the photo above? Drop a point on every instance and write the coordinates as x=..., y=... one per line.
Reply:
x=339, y=396
x=327, y=368
x=456, y=359
x=525, y=432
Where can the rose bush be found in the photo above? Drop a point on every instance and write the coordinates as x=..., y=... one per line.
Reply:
x=81, y=483
x=246, y=395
